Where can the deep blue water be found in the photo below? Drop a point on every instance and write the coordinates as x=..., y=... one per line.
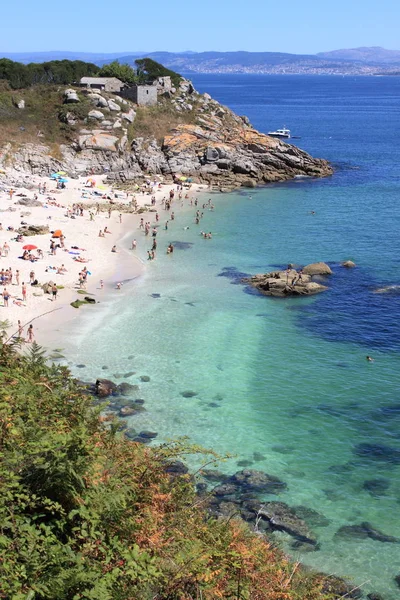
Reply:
x=355, y=123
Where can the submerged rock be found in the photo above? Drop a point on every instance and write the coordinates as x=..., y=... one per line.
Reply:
x=376, y=487
x=250, y=480
x=312, y=517
x=378, y=452
x=339, y=588
x=188, y=394
x=283, y=518
x=363, y=531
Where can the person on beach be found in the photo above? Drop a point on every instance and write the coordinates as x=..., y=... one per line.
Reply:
x=114, y=249
x=170, y=249
x=120, y=218
x=101, y=284
x=23, y=292
x=20, y=330
x=134, y=244
x=30, y=334
x=6, y=297
x=54, y=291
x=101, y=233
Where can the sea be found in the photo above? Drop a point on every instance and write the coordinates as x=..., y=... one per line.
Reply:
x=281, y=385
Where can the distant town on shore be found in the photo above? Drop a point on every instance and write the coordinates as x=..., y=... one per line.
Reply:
x=356, y=61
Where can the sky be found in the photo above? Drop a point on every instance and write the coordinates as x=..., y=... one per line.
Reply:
x=300, y=27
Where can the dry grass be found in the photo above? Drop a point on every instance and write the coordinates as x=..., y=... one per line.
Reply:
x=157, y=121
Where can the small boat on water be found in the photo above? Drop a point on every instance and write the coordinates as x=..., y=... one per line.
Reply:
x=283, y=133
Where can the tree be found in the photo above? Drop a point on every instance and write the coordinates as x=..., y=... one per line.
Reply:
x=115, y=69
x=150, y=70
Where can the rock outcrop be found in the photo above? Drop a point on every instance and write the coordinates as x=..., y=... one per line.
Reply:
x=201, y=139
x=290, y=282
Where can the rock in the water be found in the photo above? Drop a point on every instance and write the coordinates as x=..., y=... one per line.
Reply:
x=126, y=389
x=284, y=284
x=283, y=518
x=148, y=434
x=339, y=588
x=312, y=517
x=378, y=452
x=188, y=394
x=250, y=480
x=363, y=531
x=376, y=487
x=319, y=268
x=175, y=468
x=105, y=388
x=349, y=264
x=145, y=378
x=374, y=596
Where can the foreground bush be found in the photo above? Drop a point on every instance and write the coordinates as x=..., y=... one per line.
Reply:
x=86, y=514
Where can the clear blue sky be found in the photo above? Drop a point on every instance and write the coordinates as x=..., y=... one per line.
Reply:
x=298, y=26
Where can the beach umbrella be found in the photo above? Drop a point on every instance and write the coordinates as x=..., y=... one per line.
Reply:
x=53, y=176
x=61, y=173
x=63, y=180
x=57, y=233
x=29, y=247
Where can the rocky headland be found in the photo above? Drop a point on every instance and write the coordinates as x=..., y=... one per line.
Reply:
x=185, y=134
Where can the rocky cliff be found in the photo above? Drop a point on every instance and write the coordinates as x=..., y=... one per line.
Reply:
x=186, y=133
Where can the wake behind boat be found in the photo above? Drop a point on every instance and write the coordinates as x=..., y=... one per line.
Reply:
x=283, y=133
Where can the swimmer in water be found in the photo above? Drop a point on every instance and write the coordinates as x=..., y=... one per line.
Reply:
x=369, y=358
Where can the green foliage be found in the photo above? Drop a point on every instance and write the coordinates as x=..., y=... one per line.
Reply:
x=123, y=72
x=63, y=72
x=85, y=514
x=149, y=70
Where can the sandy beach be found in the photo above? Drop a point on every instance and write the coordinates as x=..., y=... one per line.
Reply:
x=114, y=212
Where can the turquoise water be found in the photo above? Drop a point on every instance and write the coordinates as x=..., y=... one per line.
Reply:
x=285, y=379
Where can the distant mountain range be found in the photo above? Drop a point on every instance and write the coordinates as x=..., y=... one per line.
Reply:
x=356, y=61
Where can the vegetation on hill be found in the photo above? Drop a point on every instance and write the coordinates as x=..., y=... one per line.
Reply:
x=67, y=72
x=149, y=69
x=64, y=72
x=87, y=514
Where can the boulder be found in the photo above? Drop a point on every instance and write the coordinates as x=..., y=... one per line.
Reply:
x=349, y=264
x=283, y=518
x=113, y=106
x=21, y=104
x=29, y=202
x=102, y=102
x=105, y=388
x=96, y=114
x=28, y=230
x=250, y=480
x=319, y=268
x=71, y=97
x=129, y=116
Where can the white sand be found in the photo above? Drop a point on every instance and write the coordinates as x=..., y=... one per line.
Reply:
x=79, y=231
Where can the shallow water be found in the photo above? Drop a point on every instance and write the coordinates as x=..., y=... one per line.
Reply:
x=285, y=379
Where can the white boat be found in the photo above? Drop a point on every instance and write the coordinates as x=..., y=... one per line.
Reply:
x=283, y=133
